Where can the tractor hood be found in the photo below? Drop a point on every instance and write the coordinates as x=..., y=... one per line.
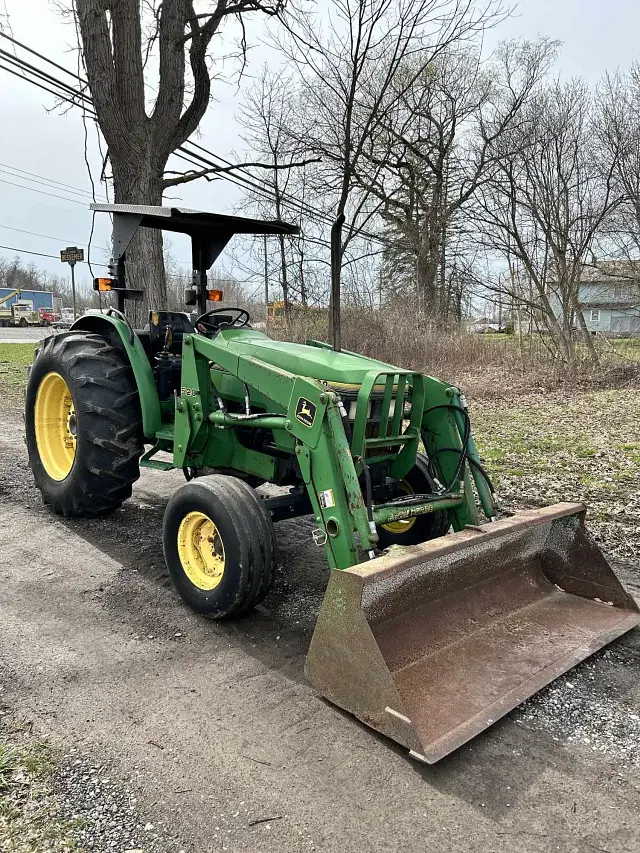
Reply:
x=314, y=360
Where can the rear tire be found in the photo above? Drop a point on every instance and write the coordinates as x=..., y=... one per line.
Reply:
x=422, y=527
x=23, y=323
x=219, y=545
x=83, y=447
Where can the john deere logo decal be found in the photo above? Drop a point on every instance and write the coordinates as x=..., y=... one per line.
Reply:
x=305, y=412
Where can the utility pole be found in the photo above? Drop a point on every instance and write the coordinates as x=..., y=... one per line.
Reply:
x=71, y=255
x=72, y=264
x=335, y=331
x=266, y=277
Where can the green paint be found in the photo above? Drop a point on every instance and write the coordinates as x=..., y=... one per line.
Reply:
x=299, y=395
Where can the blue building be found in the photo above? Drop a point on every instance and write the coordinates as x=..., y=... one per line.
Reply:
x=609, y=298
x=40, y=298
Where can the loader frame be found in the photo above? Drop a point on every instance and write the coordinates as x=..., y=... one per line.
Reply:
x=201, y=435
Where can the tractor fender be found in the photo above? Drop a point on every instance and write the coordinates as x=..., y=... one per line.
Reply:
x=110, y=326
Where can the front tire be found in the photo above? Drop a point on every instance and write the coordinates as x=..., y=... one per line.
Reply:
x=219, y=545
x=83, y=424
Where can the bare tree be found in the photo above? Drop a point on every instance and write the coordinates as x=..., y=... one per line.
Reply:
x=439, y=143
x=544, y=204
x=345, y=64
x=144, y=123
x=618, y=130
x=268, y=114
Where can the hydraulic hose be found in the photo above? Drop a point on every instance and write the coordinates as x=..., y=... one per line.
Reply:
x=465, y=440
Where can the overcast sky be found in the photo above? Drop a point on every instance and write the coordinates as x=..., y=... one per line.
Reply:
x=597, y=36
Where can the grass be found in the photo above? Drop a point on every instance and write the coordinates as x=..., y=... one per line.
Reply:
x=29, y=812
x=14, y=365
x=577, y=446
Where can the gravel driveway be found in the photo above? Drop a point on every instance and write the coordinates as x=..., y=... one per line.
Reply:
x=215, y=731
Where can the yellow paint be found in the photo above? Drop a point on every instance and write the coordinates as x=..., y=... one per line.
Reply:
x=201, y=550
x=55, y=426
x=397, y=527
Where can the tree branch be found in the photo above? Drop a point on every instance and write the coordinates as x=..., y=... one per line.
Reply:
x=187, y=177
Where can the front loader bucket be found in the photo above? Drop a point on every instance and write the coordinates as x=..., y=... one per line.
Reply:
x=432, y=644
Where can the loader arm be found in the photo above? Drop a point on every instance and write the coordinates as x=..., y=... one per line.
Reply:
x=330, y=463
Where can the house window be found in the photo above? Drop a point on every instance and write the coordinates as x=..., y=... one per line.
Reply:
x=595, y=315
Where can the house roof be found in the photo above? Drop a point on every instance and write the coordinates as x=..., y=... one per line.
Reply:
x=607, y=271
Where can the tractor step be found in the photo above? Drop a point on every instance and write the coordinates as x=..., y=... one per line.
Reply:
x=147, y=460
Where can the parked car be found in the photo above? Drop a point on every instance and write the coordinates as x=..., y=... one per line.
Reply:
x=486, y=328
x=48, y=316
x=65, y=318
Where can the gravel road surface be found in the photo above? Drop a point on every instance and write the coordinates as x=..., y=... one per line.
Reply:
x=29, y=335
x=225, y=746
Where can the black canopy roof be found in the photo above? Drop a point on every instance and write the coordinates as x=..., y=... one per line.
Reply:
x=209, y=232
x=192, y=222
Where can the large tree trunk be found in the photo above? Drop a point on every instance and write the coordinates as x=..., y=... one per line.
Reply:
x=135, y=184
x=429, y=255
x=585, y=334
x=427, y=274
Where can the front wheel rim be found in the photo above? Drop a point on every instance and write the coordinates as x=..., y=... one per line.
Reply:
x=55, y=426
x=201, y=551
x=397, y=528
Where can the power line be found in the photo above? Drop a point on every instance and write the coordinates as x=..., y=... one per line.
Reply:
x=33, y=82
x=42, y=75
x=61, y=184
x=42, y=192
x=256, y=184
x=29, y=252
x=250, y=181
x=40, y=254
x=69, y=243
x=44, y=236
x=40, y=56
x=49, y=183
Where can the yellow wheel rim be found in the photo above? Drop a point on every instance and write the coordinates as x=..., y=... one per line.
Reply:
x=55, y=426
x=201, y=550
x=396, y=527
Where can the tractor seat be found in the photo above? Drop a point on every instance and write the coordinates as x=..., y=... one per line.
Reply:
x=178, y=325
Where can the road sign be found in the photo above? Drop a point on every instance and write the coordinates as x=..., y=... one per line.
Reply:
x=71, y=255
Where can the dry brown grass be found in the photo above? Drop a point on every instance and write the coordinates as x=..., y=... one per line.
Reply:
x=485, y=365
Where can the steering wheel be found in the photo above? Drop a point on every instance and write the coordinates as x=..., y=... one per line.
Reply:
x=239, y=321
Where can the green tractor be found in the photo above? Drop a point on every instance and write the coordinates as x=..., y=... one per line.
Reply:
x=433, y=625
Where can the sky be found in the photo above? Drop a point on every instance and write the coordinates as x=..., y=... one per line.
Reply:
x=36, y=140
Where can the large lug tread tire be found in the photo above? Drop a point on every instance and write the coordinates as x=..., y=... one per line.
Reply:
x=425, y=527
x=247, y=536
x=109, y=424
